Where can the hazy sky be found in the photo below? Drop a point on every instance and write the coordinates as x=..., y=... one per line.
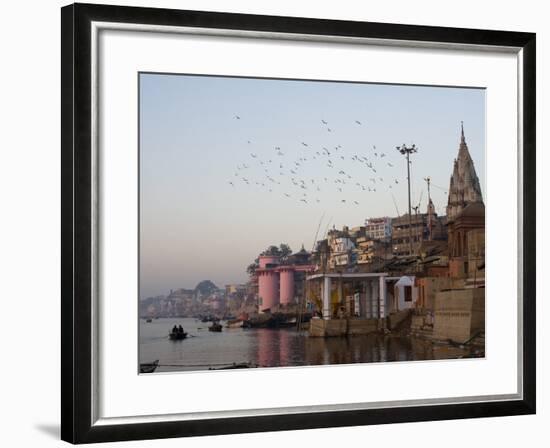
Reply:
x=195, y=225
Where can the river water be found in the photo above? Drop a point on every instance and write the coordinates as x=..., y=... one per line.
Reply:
x=263, y=347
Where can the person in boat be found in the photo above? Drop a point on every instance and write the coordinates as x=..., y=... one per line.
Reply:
x=175, y=329
x=180, y=329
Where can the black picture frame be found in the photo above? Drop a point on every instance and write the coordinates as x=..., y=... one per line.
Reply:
x=76, y=219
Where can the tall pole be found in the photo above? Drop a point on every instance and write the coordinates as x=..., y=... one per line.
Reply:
x=407, y=152
x=428, y=180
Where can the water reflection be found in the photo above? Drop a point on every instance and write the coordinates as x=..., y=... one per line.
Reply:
x=275, y=347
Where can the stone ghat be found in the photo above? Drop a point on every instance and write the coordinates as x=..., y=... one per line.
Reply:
x=459, y=314
x=344, y=327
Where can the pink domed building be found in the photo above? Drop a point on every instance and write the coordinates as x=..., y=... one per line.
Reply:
x=277, y=281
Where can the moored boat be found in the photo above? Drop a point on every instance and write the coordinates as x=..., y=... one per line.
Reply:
x=241, y=365
x=235, y=323
x=148, y=367
x=216, y=326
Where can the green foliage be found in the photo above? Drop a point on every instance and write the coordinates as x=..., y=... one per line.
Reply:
x=206, y=287
x=283, y=251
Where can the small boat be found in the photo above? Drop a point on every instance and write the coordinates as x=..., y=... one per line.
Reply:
x=148, y=367
x=236, y=323
x=177, y=335
x=242, y=365
x=216, y=326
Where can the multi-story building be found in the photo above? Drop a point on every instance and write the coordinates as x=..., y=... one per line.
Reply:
x=408, y=233
x=365, y=250
x=379, y=228
x=341, y=248
x=235, y=288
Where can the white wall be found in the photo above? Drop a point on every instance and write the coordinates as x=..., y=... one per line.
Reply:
x=399, y=289
x=29, y=224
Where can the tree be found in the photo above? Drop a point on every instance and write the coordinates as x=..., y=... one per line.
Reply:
x=284, y=250
x=251, y=268
x=272, y=250
x=206, y=287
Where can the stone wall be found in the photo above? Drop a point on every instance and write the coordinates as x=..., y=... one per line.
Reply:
x=459, y=314
x=428, y=287
x=395, y=319
x=362, y=326
x=327, y=327
x=343, y=327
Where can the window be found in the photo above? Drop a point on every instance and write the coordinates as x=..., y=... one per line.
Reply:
x=408, y=293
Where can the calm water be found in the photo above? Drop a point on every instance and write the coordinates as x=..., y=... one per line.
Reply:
x=264, y=347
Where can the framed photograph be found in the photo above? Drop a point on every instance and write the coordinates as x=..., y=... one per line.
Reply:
x=277, y=223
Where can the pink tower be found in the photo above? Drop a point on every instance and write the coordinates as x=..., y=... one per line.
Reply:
x=268, y=282
x=264, y=260
x=286, y=293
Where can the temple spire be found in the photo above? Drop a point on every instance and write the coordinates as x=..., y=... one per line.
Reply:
x=464, y=187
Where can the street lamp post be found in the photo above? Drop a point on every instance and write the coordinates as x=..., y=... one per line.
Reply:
x=407, y=152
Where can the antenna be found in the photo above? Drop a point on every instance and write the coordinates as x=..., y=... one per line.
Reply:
x=317, y=233
x=428, y=180
x=326, y=229
x=395, y=204
x=420, y=200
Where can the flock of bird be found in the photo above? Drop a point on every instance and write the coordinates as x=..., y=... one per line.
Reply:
x=306, y=172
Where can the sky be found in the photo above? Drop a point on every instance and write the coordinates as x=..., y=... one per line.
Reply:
x=229, y=166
